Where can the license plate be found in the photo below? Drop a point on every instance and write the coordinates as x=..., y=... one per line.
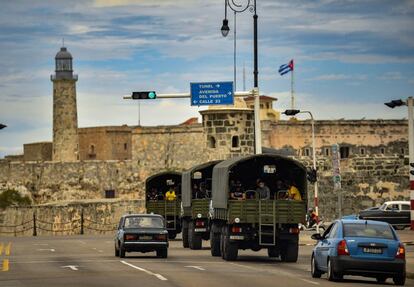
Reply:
x=200, y=229
x=372, y=250
x=145, y=237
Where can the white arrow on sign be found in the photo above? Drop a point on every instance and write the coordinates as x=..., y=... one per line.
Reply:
x=50, y=249
x=217, y=86
x=72, y=267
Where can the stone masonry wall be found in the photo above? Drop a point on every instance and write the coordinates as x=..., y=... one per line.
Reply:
x=56, y=181
x=169, y=148
x=99, y=217
x=361, y=136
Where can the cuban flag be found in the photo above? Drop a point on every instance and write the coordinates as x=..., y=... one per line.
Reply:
x=286, y=68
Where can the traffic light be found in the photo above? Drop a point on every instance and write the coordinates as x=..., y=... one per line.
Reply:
x=291, y=112
x=312, y=175
x=395, y=103
x=151, y=95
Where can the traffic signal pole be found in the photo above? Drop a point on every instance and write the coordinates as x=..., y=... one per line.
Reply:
x=410, y=104
x=239, y=94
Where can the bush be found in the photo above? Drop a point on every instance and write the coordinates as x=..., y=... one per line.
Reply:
x=12, y=197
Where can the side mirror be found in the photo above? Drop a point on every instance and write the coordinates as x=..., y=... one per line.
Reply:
x=316, y=236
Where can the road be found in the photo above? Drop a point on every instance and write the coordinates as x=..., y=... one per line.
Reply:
x=90, y=261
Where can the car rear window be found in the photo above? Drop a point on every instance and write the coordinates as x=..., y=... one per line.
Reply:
x=143, y=222
x=368, y=230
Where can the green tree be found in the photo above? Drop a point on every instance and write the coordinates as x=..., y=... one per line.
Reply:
x=11, y=197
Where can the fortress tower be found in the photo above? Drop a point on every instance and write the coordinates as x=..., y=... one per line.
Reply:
x=65, y=115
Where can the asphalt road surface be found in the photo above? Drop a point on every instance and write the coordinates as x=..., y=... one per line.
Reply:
x=90, y=261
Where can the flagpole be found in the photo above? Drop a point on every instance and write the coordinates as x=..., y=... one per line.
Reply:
x=291, y=89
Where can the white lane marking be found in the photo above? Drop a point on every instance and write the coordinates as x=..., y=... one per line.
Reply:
x=72, y=267
x=49, y=249
x=308, y=281
x=100, y=251
x=41, y=244
x=279, y=272
x=196, y=267
x=159, y=276
x=83, y=242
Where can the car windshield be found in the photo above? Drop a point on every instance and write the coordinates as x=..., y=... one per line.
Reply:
x=368, y=230
x=382, y=207
x=143, y=222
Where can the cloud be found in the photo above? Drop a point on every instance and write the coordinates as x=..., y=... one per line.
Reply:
x=338, y=77
x=391, y=76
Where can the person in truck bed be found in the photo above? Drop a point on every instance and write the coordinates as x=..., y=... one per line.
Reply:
x=262, y=190
x=293, y=192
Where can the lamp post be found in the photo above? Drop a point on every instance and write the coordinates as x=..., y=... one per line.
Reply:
x=315, y=198
x=410, y=103
x=225, y=29
x=2, y=126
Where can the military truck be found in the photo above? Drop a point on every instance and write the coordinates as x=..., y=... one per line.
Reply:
x=196, y=198
x=155, y=188
x=255, y=223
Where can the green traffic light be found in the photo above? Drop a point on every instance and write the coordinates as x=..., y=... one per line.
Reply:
x=151, y=95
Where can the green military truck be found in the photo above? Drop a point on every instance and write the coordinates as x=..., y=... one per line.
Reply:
x=255, y=223
x=196, y=198
x=155, y=188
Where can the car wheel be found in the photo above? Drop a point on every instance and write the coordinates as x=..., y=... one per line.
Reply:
x=332, y=275
x=399, y=279
x=116, y=251
x=316, y=273
x=121, y=251
x=381, y=279
x=162, y=253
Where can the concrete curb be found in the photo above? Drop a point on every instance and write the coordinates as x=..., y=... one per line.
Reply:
x=410, y=275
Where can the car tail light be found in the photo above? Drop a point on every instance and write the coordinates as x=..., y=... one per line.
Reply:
x=342, y=248
x=400, y=252
x=236, y=229
x=130, y=237
x=199, y=223
x=160, y=236
x=294, y=230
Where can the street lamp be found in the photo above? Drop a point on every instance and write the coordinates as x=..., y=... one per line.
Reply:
x=293, y=113
x=239, y=8
x=410, y=103
x=2, y=126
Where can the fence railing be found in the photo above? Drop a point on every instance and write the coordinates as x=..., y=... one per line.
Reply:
x=77, y=226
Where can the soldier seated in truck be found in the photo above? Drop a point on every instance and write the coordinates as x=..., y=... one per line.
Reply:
x=201, y=193
x=170, y=194
x=281, y=190
x=262, y=189
x=293, y=192
x=237, y=191
x=153, y=194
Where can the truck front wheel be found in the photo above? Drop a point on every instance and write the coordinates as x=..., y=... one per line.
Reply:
x=289, y=251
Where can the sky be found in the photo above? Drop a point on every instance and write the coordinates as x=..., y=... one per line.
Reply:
x=350, y=57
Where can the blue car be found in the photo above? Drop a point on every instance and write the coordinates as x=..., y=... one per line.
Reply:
x=359, y=247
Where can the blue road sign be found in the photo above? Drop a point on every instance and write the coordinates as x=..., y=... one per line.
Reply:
x=212, y=93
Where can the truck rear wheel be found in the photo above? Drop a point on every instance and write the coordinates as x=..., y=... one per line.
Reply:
x=273, y=252
x=194, y=239
x=289, y=251
x=172, y=234
x=230, y=249
x=215, y=243
x=185, y=237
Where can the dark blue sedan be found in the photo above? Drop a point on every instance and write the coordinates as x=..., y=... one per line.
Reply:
x=359, y=247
